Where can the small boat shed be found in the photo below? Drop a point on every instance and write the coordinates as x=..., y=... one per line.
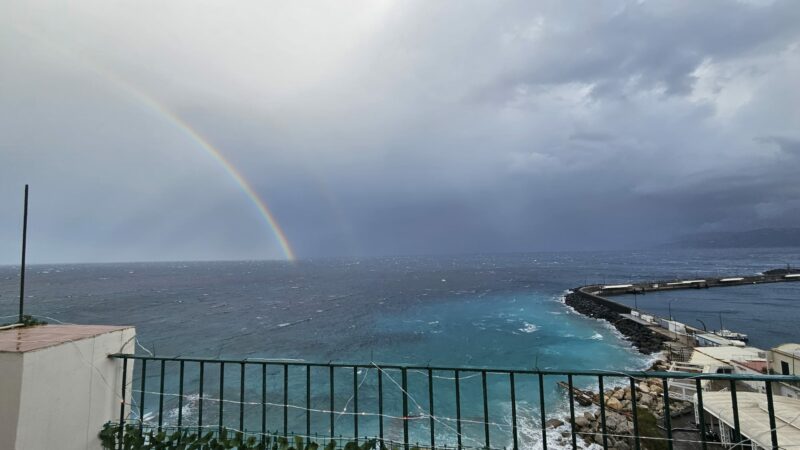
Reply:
x=753, y=418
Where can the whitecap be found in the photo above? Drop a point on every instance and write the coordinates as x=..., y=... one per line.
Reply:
x=528, y=328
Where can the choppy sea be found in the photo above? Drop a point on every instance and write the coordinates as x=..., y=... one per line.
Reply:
x=476, y=310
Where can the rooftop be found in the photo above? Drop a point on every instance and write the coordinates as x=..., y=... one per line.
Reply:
x=753, y=415
x=792, y=349
x=710, y=356
x=759, y=366
x=27, y=339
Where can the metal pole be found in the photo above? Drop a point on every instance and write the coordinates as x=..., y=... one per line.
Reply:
x=22, y=265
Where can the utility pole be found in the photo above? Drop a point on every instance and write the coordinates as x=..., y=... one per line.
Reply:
x=22, y=265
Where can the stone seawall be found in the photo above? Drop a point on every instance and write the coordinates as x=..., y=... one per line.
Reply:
x=644, y=339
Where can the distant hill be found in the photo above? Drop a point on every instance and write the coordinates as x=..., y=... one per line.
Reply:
x=764, y=237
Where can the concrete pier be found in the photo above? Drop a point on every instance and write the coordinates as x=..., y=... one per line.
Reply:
x=692, y=283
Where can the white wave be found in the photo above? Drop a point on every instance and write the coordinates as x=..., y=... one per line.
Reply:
x=597, y=337
x=529, y=328
x=530, y=431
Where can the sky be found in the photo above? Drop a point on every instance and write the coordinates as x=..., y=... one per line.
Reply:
x=202, y=130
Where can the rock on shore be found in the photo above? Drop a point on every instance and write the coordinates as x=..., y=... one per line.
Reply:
x=644, y=339
x=619, y=416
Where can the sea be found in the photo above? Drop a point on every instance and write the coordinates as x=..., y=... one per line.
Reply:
x=484, y=310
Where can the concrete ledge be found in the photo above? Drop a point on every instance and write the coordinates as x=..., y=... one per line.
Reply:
x=58, y=386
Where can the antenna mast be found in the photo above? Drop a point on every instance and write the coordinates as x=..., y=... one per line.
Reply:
x=22, y=265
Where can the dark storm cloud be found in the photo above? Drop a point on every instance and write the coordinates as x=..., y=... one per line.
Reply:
x=786, y=144
x=650, y=45
x=381, y=128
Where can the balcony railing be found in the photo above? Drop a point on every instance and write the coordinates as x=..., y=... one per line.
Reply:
x=415, y=406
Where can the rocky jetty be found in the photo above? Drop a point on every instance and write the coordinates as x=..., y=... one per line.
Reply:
x=644, y=339
x=619, y=416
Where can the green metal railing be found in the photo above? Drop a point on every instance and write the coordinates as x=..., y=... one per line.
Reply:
x=456, y=407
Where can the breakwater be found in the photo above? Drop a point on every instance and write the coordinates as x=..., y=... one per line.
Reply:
x=642, y=337
x=592, y=301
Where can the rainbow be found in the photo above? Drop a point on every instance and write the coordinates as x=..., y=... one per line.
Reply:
x=237, y=176
x=159, y=108
x=202, y=142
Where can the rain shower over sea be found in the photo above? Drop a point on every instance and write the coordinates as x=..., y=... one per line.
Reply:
x=479, y=310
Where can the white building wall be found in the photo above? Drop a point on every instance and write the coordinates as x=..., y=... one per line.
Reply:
x=10, y=381
x=68, y=391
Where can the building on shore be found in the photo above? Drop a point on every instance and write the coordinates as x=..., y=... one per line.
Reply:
x=785, y=360
x=731, y=360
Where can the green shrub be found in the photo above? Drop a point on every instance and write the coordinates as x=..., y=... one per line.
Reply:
x=136, y=438
x=648, y=428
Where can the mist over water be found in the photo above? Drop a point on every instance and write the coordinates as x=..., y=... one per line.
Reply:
x=479, y=310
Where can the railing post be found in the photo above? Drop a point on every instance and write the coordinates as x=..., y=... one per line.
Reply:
x=330, y=377
x=241, y=396
x=122, y=402
x=263, y=401
x=702, y=415
x=380, y=404
x=221, y=393
x=602, y=396
x=541, y=411
x=161, y=397
x=458, y=406
x=737, y=434
x=200, y=399
x=431, y=419
x=635, y=413
x=513, y=409
x=142, y=385
x=667, y=416
x=355, y=401
x=285, y=399
x=180, y=395
x=405, y=408
x=308, y=400
x=771, y=411
x=485, y=409
x=573, y=432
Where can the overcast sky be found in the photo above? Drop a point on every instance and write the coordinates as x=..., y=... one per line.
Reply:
x=375, y=127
